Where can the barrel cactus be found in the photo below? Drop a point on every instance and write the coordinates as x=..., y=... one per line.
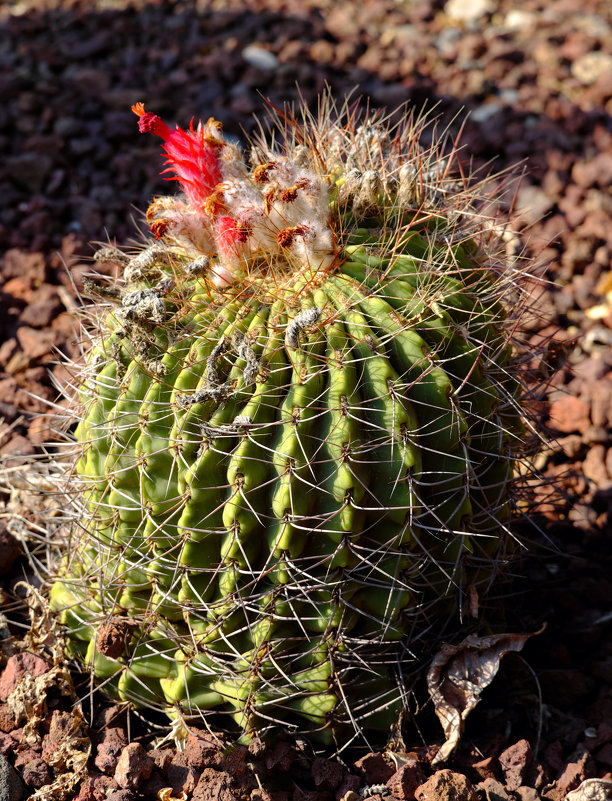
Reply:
x=300, y=420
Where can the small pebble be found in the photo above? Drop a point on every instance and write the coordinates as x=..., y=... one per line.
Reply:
x=259, y=57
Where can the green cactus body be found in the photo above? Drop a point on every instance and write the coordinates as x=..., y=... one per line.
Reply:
x=283, y=471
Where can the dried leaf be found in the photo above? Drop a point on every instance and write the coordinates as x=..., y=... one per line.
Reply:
x=592, y=790
x=28, y=702
x=179, y=732
x=165, y=794
x=457, y=676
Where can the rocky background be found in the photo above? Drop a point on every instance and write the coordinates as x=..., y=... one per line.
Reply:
x=536, y=78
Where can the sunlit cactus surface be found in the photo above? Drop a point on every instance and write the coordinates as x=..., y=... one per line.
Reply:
x=299, y=424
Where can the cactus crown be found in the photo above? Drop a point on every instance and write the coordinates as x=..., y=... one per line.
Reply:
x=299, y=429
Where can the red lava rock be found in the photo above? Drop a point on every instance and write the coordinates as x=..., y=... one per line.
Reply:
x=595, y=435
x=533, y=203
x=35, y=344
x=603, y=735
x=486, y=768
x=349, y=784
x=62, y=725
x=40, y=430
x=201, y=750
x=182, y=777
x=572, y=445
x=554, y=182
x=109, y=750
x=30, y=169
x=8, y=722
x=374, y=768
x=326, y=773
x=10, y=393
x=609, y=463
x=24, y=756
x=569, y=414
x=7, y=351
x=527, y=794
x=19, y=263
x=597, y=170
x=257, y=747
x=36, y=773
x=214, y=785
x=572, y=205
x=234, y=761
x=104, y=785
x=514, y=763
x=112, y=717
x=162, y=757
x=133, y=767
x=604, y=755
x=601, y=404
x=404, y=782
x=7, y=744
x=445, y=785
x=17, y=449
x=151, y=787
x=20, y=289
x=594, y=466
x=494, y=790
x=17, y=667
x=10, y=550
x=281, y=757
x=120, y=795
x=261, y=794
x=87, y=791
x=569, y=780
x=539, y=776
x=64, y=324
x=583, y=516
x=92, y=790
x=75, y=277
x=589, y=372
x=43, y=306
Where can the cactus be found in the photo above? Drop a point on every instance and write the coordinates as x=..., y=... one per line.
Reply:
x=300, y=422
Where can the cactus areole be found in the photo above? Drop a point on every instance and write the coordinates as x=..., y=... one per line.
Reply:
x=299, y=426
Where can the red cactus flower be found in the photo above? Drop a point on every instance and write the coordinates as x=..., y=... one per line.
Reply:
x=192, y=154
x=229, y=235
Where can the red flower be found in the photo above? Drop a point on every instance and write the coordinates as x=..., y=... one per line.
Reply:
x=229, y=235
x=192, y=154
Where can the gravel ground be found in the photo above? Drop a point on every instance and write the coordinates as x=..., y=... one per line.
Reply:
x=537, y=80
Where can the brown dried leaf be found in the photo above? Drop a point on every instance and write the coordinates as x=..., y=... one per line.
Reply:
x=28, y=702
x=165, y=794
x=457, y=676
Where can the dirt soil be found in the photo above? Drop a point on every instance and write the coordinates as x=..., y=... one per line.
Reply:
x=537, y=79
